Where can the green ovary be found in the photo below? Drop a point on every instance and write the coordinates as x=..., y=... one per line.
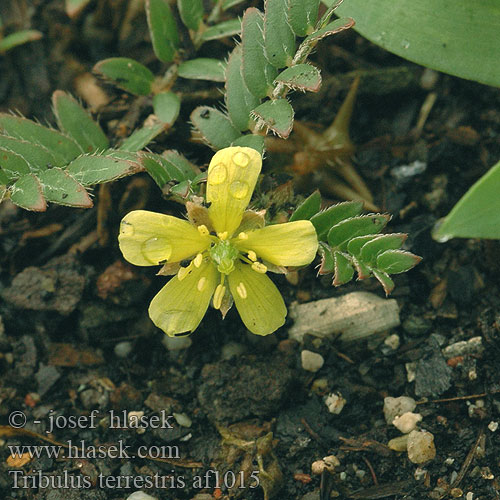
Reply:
x=224, y=254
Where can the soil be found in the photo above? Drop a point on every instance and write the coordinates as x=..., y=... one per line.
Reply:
x=76, y=341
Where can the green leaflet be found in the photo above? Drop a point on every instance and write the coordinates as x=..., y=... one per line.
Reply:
x=37, y=157
x=326, y=219
x=63, y=148
x=203, y=68
x=279, y=39
x=330, y=29
x=276, y=115
x=163, y=29
x=77, y=124
x=301, y=77
x=239, y=100
x=356, y=244
x=141, y=137
x=455, y=36
x=327, y=262
x=251, y=141
x=189, y=170
x=303, y=15
x=127, y=74
x=191, y=12
x=171, y=167
x=19, y=38
x=344, y=271
x=373, y=248
x=12, y=165
x=214, y=126
x=59, y=187
x=222, y=30
x=309, y=207
x=396, y=261
x=27, y=193
x=385, y=280
x=227, y=4
x=75, y=7
x=477, y=213
x=166, y=106
x=257, y=72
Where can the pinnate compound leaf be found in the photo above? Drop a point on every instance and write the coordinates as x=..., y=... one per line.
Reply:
x=19, y=38
x=344, y=271
x=222, y=30
x=279, y=39
x=309, y=207
x=326, y=219
x=303, y=15
x=381, y=243
x=257, y=72
x=214, y=127
x=191, y=12
x=253, y=141
x=203, y=68
x=127, y=74
x=37, y=157
x=276, y=115
x=396, y=261
x=141, y=137
x=27, y=193
x=356, y=244
x=301, y=77
x=62, y=147
x=239, y=100
x=13, y=165
x=61, y=188
x=77, y=123
x=163, y=29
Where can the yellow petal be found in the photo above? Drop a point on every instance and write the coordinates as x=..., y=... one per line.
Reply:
x=148, y=238
x=288, y=244
x=257, y=299
x=232, y=175
x=181, y=304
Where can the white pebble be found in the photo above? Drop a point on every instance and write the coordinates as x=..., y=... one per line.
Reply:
x=395, y=407
x=176, y=343
x=493, y=426
x=123, y=349
x=140, y=495
x=399, y=443
x=182, y=419
x=392, y=341
x=469, y=496
x=407, y=422
x=335, y=403
x=421, y=447
x=411, y=371
x=419, y=474
x=311, y=361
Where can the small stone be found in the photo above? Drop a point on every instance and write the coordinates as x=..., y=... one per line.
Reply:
x=335, y=403
x=123, y=349
x=493, y=426
x=360, y=473
x=407, y=422
x=395, y=407
x=331, y=462
x=456, y=492
x=140, y=495
x=312, y=495
x=232, y=350
x=317, y=467
x=182, y=419
x=449, y=461
x=176, y=343
x=411, y=371
x=311, y=361
x=420, y=474
x=469, y=496
x=416, y=326
x=320, y=386
x=463, y=348
x=399, y=443
x=392, y=341
x=421, y=447
x=433, y=375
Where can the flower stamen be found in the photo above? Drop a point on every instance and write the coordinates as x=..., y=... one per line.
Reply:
x=198, y=260
x=259, y=267
x=220, y=291
x=252, y=255
x=202, y=283
x=242, y=291
x=184, y=271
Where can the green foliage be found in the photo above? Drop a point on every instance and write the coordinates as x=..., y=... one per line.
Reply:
x=203, y=68
x=457, y=37
x=163, y=30
x=477, y=213
x=19, y=38
x=351, y=242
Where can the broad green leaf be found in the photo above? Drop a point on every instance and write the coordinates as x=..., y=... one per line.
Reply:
x=239, y=100
x=203, y=68
x=344, y=271
x=127, y=74
x=257, y=72
x=19, y=38
x=191, y=12
x=228, y=4
x=454, y=36
x=96, y=169
x=477, y=213
x=75, y=7
x=385, y=280
x=356, y=244
x=301, y=77
x=166, y=106
x=37, y=157
x=222, y=30
x=276, y=115
x=27, y=193
x=77, y=123
x=396, y=261
x=188, y=169
x=326, y=219
x=330, y=29
x=279, y=39
x=4, y=178
x=327, y=265
x=63, y=148
x=380, y=244
x=141, y=137
x=303, y=15
x=253, y=141
x=309, y=207
x=59, y=187
x=171, y=167
x=12, y=164
x=340, y=234
x=163, y=29
x=214, y=127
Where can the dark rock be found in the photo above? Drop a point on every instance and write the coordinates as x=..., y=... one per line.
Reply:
x=433, y=375
x=46, y=376
x=231, y=391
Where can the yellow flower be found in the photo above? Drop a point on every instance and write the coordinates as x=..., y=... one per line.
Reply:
x=228, y=250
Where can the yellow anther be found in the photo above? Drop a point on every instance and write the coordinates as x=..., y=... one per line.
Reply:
x=220, y=291
x=184, y=271
x=202, y=283
x=198, y=260
x=252, y=255
x=203, y=230
x=222, y=236
x=243, y=236
x=242, y=291
x=259, y=267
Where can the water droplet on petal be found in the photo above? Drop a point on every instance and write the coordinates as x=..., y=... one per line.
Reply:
x=127, y=229
x=238, y=189
x=241, y=159
x=156, y=249
x=217, y=175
